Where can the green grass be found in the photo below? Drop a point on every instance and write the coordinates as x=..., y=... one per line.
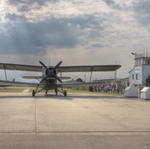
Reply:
x=12, y=89
x=69, y=90
x=76, y=90
x=110, y=93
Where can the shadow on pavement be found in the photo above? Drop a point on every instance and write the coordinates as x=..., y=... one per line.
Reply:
x=60, y=97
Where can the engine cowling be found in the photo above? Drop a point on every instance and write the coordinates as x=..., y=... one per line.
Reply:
x=50, y=72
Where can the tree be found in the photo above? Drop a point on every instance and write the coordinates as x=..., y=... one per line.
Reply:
x=79, y=80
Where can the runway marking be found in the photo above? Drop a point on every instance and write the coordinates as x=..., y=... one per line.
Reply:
x=35, y=115
x=36, y=133
x=26, y=91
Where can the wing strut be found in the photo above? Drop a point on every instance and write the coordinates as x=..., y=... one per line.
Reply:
x=115, y=75
x=91, y=76
x=5, y=72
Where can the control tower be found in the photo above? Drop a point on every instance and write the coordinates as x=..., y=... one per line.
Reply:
x=141, y=70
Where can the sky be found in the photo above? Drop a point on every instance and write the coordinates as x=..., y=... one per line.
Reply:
x=75, y=31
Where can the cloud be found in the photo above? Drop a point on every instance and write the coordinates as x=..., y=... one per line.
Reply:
x=21, y=36
x=15, y=18
x=40, y=2
x=142, y=11
x=97, y=45
x=142, y=6
x=29, y=5
x=34, y=38
x=24, y=5
x=116, y=5
x=111, y=3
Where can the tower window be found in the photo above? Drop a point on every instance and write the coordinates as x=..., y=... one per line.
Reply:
x=136, y=76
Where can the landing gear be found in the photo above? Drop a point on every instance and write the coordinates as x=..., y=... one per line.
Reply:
x=46, y=92
x=56, y=91
x=65, y=93
x=33, y=93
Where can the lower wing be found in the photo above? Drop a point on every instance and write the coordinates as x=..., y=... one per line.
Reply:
x=15, y=83
x=40, y=77
x=27, y=84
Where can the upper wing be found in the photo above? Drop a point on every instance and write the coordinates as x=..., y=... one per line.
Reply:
x=88, y=68
x=19, y=84
x=85, y=68
x=20, y=67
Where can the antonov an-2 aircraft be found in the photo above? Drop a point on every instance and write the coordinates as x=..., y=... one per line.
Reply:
x=49, y=79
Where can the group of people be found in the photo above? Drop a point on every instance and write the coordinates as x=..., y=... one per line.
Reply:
x=114, y=87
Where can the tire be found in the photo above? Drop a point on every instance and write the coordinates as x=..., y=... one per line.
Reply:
x=65, y=93
x=33, y=93
x=56, y=91
x=46, y=92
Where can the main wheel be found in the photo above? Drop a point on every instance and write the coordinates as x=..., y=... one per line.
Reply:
x=65, y=93
x=46, y=92
x=56, y=91
x=33, y=93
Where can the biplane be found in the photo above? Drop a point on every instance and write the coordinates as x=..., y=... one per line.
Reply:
x=49, y=80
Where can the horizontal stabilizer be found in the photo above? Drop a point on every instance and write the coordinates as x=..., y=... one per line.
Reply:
x=73, y=83
x=32, y=77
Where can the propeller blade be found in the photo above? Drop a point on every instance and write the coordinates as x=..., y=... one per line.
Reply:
x=43, y=79
x=58, y=64
x=43, y=64
x=58, y=79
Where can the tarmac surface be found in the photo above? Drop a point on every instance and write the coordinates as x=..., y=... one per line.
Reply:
x=79, y=121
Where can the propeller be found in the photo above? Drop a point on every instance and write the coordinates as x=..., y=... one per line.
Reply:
x=58, y=64
x=43, y=64
x=57, y=78
x=54, y=70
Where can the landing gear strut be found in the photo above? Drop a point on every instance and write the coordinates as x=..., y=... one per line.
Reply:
x=36, y=90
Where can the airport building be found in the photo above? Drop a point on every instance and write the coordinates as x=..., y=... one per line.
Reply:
x=141, y=70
